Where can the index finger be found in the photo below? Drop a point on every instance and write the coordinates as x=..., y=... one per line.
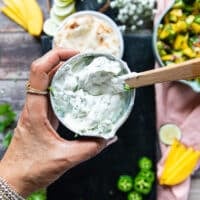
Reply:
x=40, y=68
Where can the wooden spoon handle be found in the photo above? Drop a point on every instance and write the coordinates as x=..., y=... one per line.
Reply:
x=186, y=70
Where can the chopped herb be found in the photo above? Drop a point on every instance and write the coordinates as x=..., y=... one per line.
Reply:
x=51, y=90
x=127, y=87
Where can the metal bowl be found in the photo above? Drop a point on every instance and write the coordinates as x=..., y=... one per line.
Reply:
x=70, y=64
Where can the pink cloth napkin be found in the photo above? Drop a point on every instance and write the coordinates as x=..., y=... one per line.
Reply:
x=177, y=103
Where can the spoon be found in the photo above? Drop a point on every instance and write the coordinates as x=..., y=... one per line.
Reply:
x=187, y=70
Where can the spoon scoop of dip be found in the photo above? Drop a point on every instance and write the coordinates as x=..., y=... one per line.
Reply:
x=187, y=70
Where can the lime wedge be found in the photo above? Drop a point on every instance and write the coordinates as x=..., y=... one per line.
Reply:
x=61, y=3
x=64, y=11
x=168, y=133
x=50, y=27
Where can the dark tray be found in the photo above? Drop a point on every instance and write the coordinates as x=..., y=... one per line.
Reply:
x=96, y=178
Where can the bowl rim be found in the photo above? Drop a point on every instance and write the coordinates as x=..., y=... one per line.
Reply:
x=120, y=121
x=101, y=16
x=192, y=84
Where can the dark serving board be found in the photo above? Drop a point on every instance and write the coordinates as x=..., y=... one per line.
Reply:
x=96, y=179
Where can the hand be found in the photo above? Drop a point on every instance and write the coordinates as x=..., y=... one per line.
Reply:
x=37, y=155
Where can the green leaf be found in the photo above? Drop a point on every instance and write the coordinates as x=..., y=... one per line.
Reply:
x=7, y=116
x=7, y=139
x=38, y=195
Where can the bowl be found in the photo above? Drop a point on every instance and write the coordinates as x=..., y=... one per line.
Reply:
x=77, y=105
x=169, y=45
x=90, y=31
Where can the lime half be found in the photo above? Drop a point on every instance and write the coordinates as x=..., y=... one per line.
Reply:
x=168, y=133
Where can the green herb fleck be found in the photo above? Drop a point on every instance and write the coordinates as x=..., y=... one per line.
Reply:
x=51, y=90
x=127, y=87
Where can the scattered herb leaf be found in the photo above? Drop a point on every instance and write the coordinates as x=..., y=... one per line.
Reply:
x=7, y=139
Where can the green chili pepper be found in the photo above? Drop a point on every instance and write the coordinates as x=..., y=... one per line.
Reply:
x=167, y=31
x=188, y=8
x=179, y=4
x=134, y=196
x=125, y=183
x=141, y=185
x=189, y=1
x=197, y=19
x=147, y=175
x=145, y=163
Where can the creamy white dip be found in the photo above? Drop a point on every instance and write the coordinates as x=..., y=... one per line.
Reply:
x=88, y=33
x=84, y=98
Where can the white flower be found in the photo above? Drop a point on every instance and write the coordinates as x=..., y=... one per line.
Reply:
x=133, y=13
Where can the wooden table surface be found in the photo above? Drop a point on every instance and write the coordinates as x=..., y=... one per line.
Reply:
x=17, y=51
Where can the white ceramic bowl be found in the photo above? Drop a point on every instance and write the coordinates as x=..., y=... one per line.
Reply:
x=70, y=64
x=89, y=42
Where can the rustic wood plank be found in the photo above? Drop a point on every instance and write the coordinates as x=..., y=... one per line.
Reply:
x=6, y=25
x=195, y=191
x=13, y=92
x=17, y=51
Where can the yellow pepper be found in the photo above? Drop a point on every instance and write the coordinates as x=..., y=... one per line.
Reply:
x=168, y=30
x=176, y=12
x=189, y=52
x=183, y=170
x=179, y=164
x=181, y=42
x=16, y=17
x=168, y=57
x=195, y=27
x=180, y=26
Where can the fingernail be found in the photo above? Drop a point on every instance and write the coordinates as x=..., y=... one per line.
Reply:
x=111, y=141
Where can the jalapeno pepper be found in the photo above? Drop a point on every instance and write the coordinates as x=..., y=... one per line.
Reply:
x=142, y=185
x=179, y=4
x=147, y=175
x=125, y=183
x=197, y=19
x=145, y=163
x=134, y=196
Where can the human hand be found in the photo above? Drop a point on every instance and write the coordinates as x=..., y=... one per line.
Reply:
x=37, y=155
